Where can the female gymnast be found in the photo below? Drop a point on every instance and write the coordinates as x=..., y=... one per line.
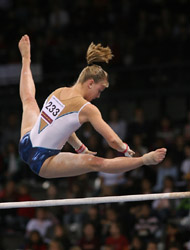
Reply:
x=43, y=133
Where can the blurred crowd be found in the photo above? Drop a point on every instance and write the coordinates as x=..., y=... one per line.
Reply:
x=153, y=225
x=139, y=33
x=149, y=34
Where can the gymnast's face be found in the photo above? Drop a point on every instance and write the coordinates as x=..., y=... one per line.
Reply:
x=95, y=89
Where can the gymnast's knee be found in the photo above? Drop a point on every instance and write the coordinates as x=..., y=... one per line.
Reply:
x=28, y=100
x=96, y=163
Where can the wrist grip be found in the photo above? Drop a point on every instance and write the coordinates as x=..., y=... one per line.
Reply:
x=81, y=149
x=127, y=147
x=126, y=151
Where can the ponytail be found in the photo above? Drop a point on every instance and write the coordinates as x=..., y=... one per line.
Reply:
x=96, y=54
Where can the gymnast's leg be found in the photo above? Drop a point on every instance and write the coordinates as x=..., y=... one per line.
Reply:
x=69, y=164
x=27, y=88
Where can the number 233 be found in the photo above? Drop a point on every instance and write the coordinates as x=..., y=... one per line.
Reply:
x=52, y=108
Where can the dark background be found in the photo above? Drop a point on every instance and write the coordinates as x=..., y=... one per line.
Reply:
x=149, y=87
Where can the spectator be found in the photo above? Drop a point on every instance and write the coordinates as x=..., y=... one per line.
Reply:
x=92, y=216
x=9, y=193
x=151, y=245
x=56, y=245
x=2, y=168
x=165, y=207
x=166, y=131
x=75, y=248
x=174, y=247
x=55, y=212
x=87, y=132
x=107, y=247
x=24, y=214
x=136, y=243
x=117, y=123
x=183, y=207
x=8, y=217
x=139, y=125
x=59, y=233
x=11, y=130
x=12, y=161
x=146, y=186
x=138, y=145
x=35, y=241
x=166, y=168
x=89, y=241
x=185, y=165
x=73, y=221
x=187, y=245
x=110, y=216
x=59, y=18
x=186, y=129
x=93, y=142
x=116, y=238
x=147, y=224
x=177, y=149
x=172, y=236
x=40, y=223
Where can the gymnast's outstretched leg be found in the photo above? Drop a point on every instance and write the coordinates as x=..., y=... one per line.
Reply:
x=27, y=88
x=69, y=164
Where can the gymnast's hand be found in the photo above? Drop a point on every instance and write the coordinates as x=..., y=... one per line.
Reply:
x=87, y=151
x=128, y=152
x=84, y=150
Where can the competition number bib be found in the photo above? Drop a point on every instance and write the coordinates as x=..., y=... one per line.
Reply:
x=52, y=109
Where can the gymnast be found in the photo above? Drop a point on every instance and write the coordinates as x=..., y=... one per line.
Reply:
x=44, y=133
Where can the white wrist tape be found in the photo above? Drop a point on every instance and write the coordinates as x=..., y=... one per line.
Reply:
x=126, y=151
x=81, y=150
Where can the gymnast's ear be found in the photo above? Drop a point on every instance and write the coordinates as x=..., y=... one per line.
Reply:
x=90, y=83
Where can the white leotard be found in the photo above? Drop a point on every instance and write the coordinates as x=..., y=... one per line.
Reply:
x=57, y=121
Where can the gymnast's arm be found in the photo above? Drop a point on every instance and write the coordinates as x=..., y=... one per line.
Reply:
x=74, y=141
x=78, y=145
x=91, y=113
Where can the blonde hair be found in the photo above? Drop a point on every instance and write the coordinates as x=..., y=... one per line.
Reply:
x=96, y=53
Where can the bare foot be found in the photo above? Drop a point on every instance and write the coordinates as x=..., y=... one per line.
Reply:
x=24, y=47
x=154, y=157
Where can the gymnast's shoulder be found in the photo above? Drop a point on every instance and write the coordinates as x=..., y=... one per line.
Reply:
x=89, y=111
